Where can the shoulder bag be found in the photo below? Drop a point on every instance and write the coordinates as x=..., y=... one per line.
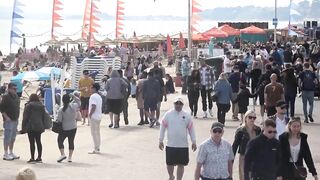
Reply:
x=299, y=171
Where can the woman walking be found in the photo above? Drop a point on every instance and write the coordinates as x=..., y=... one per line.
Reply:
x=67, y=115
x=243, y=135
x=194, y=91
x=223, y=92
x=290, y=83
x=295, y=149
x=33, y=124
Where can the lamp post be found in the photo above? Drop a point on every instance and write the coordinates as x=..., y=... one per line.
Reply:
x=275, y=22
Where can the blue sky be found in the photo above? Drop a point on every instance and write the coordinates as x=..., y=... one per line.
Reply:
x=136, y=7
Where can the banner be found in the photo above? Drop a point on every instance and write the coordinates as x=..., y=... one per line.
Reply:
x=55, y=17
x=15, y=33
x=119, y=18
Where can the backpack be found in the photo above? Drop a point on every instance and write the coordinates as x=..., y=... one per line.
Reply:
x=308, y=81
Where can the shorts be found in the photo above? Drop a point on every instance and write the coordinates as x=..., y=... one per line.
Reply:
x=114, y=105
x=177, y=156
x=10, y=131
x=84, y=103
x=150, y=104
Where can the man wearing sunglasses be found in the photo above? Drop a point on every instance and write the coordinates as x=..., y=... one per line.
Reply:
x=10, y=109
x=280, y=118
x=215, y=156
x=179, y=124
x=263, y=155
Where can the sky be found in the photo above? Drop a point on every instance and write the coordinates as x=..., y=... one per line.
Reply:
x=136, y=7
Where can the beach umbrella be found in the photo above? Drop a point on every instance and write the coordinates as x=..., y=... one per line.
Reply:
x=169, y=47
x=67, y=41
x=31, y=76
x=147, y=39
x=121, y=39
x=49, y=70
x=160, y=37
x=81, y=41
x=133, y=40
x=107, y=41
x=182, y=45
x=199, y=37
x=52, y=42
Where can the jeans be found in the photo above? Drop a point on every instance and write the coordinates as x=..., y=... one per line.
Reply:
x=70, y=134
x=193, y=97
x=184, y=84
x=221, y=113
x=35, y=137
x=290, y=101
x=307, y=96
x=10, y=131
x=204, y=94
x=95, y=133
x=235, y=107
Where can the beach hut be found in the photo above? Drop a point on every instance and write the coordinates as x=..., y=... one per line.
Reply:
x=253, y=34
x=232, y=32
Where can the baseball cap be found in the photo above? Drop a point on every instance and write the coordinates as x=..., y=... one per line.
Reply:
x=178, y=99
x=280, y=103
x=217, y=125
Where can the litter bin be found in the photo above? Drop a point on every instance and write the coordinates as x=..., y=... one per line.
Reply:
x=48, y=98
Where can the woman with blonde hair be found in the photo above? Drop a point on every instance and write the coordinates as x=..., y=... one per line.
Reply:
x=26, y=174
x=295, y=149
x=246, y=132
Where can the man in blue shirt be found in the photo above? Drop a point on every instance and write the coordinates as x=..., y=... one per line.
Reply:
x=18, y=83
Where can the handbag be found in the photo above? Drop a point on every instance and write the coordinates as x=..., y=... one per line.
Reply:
x=47, y=121
x=299, y=171
x=57, y=127
x=214, y=96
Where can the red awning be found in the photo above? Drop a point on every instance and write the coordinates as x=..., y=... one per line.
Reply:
x=215, y=32
x=252, y=30
x=229, y=30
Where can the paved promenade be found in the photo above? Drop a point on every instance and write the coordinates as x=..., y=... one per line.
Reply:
x=131, y=152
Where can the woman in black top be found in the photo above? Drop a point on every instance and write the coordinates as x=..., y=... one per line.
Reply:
x=295, y=149
x=243, y=135
x=169, y=84
x=193, y=91
x=290, y=83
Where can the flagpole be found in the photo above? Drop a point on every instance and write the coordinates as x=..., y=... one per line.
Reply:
x=189, y=29
x=275, y=23
x=289, y=26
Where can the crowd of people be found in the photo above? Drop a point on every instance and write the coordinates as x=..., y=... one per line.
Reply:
x=274, y=150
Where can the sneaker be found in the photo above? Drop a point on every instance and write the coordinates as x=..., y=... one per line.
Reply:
x=210, y=112
x=38, y=160
x=14, y=156
x=141, y=123
x=310, y=117
x=116, y=126
x=205, y=114
x=152, y=122
x=306, y=121
x=110, y=125
x=61, y=158
x=70, y=160
x=31, y=161
x=7, y=157
x=94, y=152
x=146, y=122
x=126, y=122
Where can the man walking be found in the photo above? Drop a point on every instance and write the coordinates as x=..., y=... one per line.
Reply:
x=151, y=94
x=95, y=115
x=235, y=79
x=206, y=80
x=185, y=72
x=126, y=95
x=307, y=83
x=263, y=155
x=279, y=118
x=85, y=84
x=273, y=92
x=179, y=124
x=215, y=156
x=10, y=109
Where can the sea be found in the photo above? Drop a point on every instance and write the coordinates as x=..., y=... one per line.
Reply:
x=38, y=31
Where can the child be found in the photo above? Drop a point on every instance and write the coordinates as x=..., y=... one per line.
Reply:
x=26, y=174
x=133, y=84
x=243, y=100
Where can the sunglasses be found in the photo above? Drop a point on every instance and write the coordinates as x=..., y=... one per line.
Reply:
x=272, y=132
x=217, y=130
x=252, y=117
x=178, y=103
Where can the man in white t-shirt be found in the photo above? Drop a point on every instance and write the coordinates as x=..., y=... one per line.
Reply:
x=227, y=65
x=95, y=115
